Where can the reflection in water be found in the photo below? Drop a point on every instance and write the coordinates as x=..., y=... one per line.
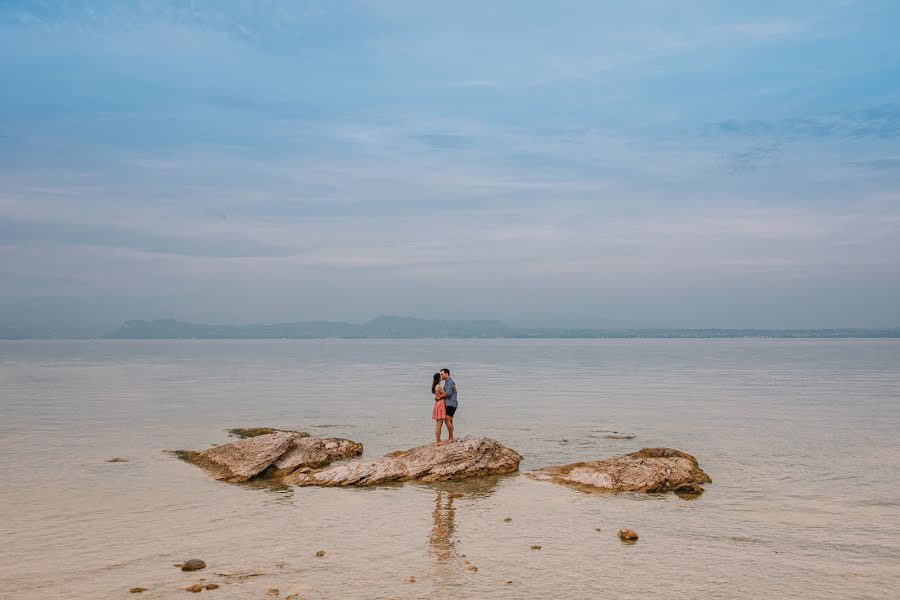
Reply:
x=441, y=540
x=281, y=492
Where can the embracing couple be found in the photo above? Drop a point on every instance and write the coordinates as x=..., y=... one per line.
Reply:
x=445, y=404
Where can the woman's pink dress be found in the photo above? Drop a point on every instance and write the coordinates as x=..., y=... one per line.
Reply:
x=440, y=410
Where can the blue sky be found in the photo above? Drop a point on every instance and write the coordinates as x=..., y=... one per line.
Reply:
x=696, y=164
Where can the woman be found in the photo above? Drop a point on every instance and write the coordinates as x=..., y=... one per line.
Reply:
x=439, y=412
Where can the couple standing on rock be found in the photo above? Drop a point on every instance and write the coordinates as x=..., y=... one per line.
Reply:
x=445, y=404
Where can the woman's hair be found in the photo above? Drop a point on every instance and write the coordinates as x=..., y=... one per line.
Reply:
x=435, y=381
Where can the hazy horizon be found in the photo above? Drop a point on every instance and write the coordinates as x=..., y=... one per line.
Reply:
x=546, y=165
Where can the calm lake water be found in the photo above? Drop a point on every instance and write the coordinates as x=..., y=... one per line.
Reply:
x=800, y=437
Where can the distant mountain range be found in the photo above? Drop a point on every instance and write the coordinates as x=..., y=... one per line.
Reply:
x=413, y=328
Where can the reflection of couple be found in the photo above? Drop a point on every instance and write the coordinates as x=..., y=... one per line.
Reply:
x=445, y=404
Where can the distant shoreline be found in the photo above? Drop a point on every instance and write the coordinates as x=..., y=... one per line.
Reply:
x=408, y=328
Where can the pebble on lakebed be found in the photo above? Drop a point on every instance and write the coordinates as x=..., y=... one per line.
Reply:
x=536, y=547
x=194, y=564
x=195, y=589
x=212, y=586
x=320, y=553
x=628, y=535
x=272, y=592
x=137, y=590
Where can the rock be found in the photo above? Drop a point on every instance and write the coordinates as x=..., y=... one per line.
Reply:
x=196, y=588
x=137, y=590
x=472, y=569
x=466, y=457
x=320, y=553
x=312, y=453
x=535, y=547
x=649, y=470
x=598, y=530
x=241, y=460
x=194, y=564
x=272, y=592
x=619, y=436
x=116, y=459
x=291, y=596
x=410, y=579
x=212, y=586
x=249, y=432
x=628, y=535
x=507, y=520
x=508, y=581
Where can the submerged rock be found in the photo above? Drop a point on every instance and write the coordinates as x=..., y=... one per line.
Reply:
x=196, y=588
x=628, y=535
x=249, y=432
x=466, y=457
x=313, y=452
x=194, y=564
x=137, y=590
x=648, y=470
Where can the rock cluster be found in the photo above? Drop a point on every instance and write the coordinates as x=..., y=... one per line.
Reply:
x=466, y=457
x=649, y=470
x=270, y=455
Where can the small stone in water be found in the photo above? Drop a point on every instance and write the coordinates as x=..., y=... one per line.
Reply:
x=507, y=520
x=628, y=535
x=411, y=579
x=272, y=592
x=472, y=569
x=116, y=459
x=320, y=553
x=535, y=547
x=137, y=590
x=196, y=588
x=212, y=586
x=194, y=564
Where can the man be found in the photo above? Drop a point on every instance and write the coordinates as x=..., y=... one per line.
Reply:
x=449, y=400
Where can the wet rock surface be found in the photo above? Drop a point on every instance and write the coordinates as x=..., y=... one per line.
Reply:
x=464, y=458
x=628, y=535
x=650, y=470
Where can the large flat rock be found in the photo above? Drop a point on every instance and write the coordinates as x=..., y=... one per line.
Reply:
x=311, y=452
x=466, y=457
x=649, y=470
x=270, y=455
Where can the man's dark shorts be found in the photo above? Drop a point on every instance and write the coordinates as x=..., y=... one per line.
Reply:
x=451, y=410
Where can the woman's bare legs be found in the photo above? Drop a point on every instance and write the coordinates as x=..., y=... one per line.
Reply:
x=438, y=424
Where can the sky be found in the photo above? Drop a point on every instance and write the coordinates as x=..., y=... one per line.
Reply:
x=572, y=164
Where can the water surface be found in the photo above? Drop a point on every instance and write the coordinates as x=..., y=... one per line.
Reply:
x=800, y=438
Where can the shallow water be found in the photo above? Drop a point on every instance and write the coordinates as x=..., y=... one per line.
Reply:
x=800, y=438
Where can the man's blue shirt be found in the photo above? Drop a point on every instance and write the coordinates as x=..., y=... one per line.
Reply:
x=450, y=390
